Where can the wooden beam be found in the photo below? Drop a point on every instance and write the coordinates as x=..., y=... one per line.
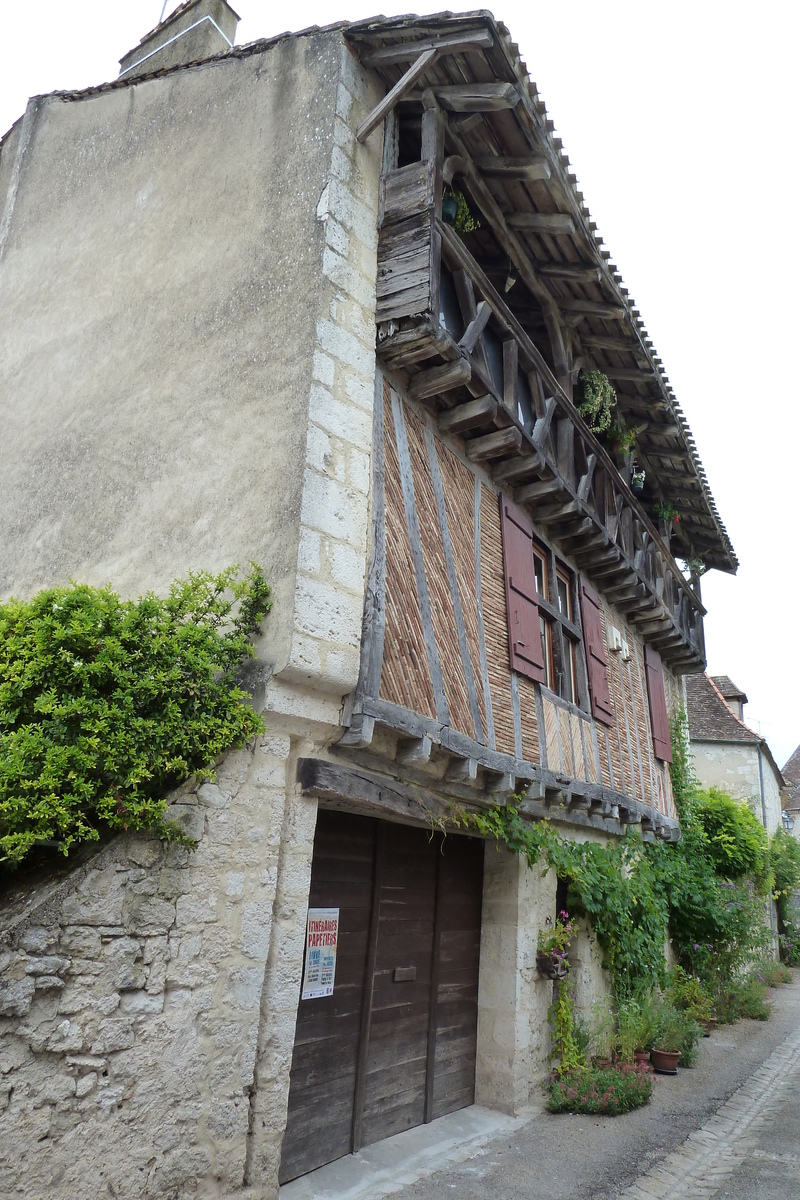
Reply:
x=541, y=222
x=518, y=468
x=592, y=308
x=440, y=379
x=598, y=341
x=477, y=97
x=634, y=374
x=467, y=416
x=403, y=85
x=578, y=272
x=453, y=43
x=476, y=327
x=542, y=489
x=503, y=166
x=494, y=445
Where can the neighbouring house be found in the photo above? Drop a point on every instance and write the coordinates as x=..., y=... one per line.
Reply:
x=728, y=754
x=791, y=793
x=243, y=317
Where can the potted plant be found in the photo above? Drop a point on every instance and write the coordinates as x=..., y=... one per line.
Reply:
x=637, y=483
x=595, y=399
x=675, y=1040
x=636, y=1027
x=456, y=212
x=623, y=440
x=667, y=514
x=552, y=943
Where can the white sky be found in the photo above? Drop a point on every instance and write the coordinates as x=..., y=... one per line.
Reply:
x=680, y=120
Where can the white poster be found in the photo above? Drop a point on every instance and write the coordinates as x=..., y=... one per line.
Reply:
x=321, y=939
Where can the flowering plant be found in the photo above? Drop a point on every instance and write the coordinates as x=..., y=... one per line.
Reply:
x=666, y=511
x=555, y=937
x=599, y=1090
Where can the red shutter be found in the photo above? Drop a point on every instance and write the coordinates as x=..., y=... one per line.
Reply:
x=658, y=704
x=596, y=661
x=522, y=602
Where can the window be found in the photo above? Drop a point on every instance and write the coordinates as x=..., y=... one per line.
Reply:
x=541, y=603
x=560, y=635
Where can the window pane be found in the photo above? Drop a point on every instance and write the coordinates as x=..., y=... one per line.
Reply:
x=568, y=691
x=564, y=597
x=538, y=566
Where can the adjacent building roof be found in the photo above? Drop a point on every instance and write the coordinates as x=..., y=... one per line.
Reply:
x=727, y=688
x=710, y=718
x=791, y=772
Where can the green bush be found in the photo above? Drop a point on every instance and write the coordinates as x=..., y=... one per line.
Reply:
x=742, y=997
x=106, y=704
x=736, y=841
x=677, y=1031
x=689, y=993
x=773, y=974
x=608, y=1091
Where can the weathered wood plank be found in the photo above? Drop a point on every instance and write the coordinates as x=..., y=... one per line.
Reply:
x=510, y=368
x=576, y=272
x=542, y=489
x=494, y=445
x=476, y=327
x=552, y=223
x=403, y=85
x=477, y=97
x=405, y=192
x=612, y=312
x=467, y=416
x=503, y=166
x=440, y=379
x=455, y=43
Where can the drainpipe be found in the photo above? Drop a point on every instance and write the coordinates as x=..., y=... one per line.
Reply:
x=773, y=930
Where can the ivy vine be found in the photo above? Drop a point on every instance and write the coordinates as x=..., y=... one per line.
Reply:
x=106, y=704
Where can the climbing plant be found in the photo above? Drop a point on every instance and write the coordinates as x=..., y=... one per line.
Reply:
x=595, y=399
x=106, y=704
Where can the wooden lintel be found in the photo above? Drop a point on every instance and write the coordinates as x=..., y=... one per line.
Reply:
x=541, y=222
x=453, y=43
x=403, y=85
x=440, y=379
x=475, y=328
x=477, y=97
x=577, y=272
x=359, y=733
x=494, y=445
x=468, y=416
x=503, y=166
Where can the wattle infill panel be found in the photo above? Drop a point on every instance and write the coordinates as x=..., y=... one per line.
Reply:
x=459, y=494
x=405, y=675
x=493, y=592
x=442, y=611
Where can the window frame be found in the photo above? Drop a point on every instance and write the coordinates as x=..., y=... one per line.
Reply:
x=564, y=635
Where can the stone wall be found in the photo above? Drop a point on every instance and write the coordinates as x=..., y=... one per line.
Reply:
x=132, y=994
x=733, y=767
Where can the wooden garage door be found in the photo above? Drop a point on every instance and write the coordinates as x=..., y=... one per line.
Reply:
x=394, y=1046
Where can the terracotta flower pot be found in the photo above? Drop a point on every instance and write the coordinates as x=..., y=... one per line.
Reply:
x=711, y=1025
x=665, y=1061
x=552, y=966
x=641, y=1058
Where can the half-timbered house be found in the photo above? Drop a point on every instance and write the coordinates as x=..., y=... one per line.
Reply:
x=238, y=325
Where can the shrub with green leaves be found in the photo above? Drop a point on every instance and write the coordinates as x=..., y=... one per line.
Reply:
x=106, y=704
x=599, y=1090
x=736, y=841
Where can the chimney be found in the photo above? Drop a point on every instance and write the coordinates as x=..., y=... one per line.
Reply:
x=196, y=29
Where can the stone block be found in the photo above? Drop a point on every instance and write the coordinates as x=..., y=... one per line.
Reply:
x=38, y=940
x=86, y=1084
x=327, y=613
x=182, y=1166
x=48, y=983
x=148, y=914
x=113, y=1034
x=141, y=1002
x=49, y=964
x=129, y=976
x=189, y=818
x=143, y=851
x=211, y=796
x=16, y=996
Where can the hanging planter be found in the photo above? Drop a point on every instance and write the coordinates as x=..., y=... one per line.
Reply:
x=668, y=518
x=449, y=209
x=552, y=964
x=456, y=212
x=637, y=483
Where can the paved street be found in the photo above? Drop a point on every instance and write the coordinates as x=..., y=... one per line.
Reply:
x=729, y=1128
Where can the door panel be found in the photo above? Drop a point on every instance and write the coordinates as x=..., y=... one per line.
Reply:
x=410, y=905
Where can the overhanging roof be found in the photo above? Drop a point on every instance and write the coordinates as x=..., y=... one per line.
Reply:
x=548, y=212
